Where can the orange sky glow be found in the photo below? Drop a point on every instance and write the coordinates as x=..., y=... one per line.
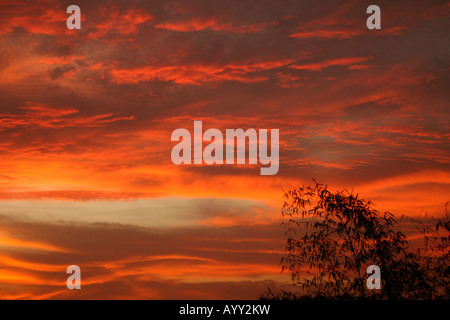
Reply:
x=86, y=118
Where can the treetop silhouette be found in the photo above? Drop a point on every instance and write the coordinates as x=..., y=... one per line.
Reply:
x=332, y=237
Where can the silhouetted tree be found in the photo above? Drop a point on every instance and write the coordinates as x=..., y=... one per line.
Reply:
x=333, y=237
x=435, y=256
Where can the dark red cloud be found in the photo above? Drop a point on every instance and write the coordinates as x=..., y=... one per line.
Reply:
x=86, y=117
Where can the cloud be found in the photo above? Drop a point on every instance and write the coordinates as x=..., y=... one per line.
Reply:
x=86, y=118
x=119, y=22
x=198, y=74
x=317, y=66
x=198, y=24
x=120, y=261
x=336, y=33
x=48, y=117
x=73, y=195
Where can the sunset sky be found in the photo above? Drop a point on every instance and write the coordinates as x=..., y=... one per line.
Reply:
x=86, y=118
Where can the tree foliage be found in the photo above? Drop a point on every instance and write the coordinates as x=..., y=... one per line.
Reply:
x=333, y=237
